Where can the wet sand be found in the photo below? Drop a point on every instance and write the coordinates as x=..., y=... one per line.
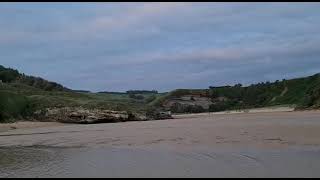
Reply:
x=278, y=144
x=132, y=162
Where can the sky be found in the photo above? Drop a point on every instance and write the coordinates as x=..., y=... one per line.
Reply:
x=161, y=46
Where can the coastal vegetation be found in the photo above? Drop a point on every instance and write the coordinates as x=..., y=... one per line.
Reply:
x=21, y=95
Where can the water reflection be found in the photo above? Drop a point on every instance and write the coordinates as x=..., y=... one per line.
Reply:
x=126, y=162
x=30, y=161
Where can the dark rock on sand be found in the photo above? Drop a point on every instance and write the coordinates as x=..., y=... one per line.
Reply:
x=88, y=116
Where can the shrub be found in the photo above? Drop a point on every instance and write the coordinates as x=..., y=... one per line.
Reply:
x=13, y=106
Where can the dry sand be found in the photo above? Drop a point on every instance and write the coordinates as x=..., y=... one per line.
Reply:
x=27, y=125
x=265, y=130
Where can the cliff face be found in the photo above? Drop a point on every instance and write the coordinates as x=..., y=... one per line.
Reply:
x=180, y=104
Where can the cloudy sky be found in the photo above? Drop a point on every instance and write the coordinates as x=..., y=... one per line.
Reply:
x=163, y=46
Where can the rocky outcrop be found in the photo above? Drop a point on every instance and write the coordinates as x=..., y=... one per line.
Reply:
x=89, y=116
x=137, y=117
x=159, y=114
x=187, y=103
x=163, y=115
x=95, y=116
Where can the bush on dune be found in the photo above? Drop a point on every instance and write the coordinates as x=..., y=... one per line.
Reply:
x=13, y=106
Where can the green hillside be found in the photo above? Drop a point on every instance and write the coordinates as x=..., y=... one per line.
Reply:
x=21, y=95
x=8, y=75
x=301, y=92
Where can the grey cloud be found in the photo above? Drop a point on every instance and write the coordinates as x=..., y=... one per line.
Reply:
x=120, y=46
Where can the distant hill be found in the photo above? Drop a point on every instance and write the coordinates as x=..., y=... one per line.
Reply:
x=142, y=92
x=110, y=92
x=8, y=75
x=300, y=92
x=131, y=92
x=81, y=91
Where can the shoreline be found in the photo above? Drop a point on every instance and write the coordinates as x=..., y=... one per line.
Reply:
x=246, y=111
x=22, y=125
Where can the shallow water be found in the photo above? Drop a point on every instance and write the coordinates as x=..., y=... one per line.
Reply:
x=133, y=162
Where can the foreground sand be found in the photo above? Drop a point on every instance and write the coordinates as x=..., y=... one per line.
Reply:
x=277, y=144
x=259, y=130
x=27, y=125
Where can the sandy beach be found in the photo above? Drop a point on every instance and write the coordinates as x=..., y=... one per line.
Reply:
x=277, y=144
x=265, y=130
x=27, y=125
